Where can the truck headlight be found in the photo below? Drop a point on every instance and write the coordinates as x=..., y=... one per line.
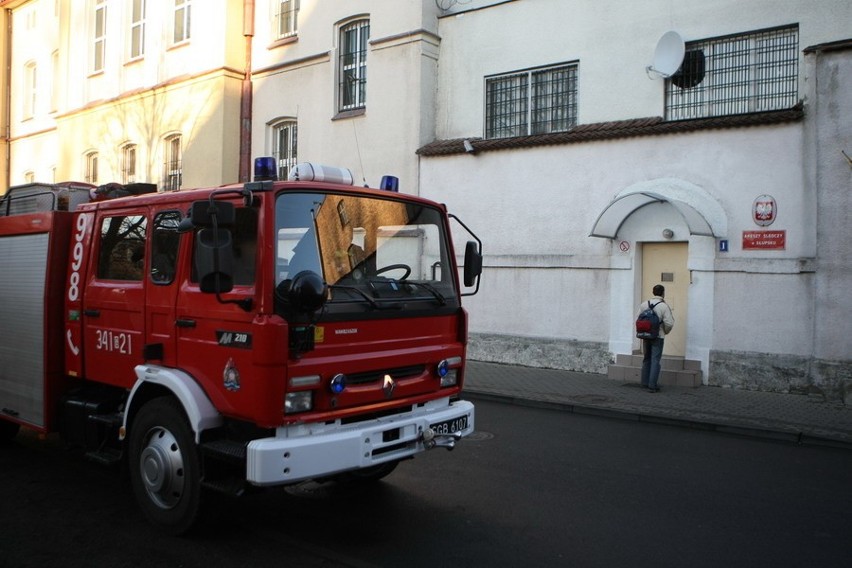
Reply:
x=447, y=371
x=300, y=401
x=450, y=379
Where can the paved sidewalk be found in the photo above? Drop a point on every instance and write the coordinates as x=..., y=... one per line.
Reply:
x=788, y=417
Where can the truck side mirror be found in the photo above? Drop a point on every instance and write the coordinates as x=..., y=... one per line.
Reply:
x=214, y=260
x=472, y=264
x=213, y=213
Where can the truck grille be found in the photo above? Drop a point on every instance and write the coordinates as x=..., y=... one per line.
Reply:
x=379, y=375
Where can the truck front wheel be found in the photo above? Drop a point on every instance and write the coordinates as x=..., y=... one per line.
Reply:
x=164, y=465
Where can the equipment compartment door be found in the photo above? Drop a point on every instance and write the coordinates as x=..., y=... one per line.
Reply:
x=113, y=319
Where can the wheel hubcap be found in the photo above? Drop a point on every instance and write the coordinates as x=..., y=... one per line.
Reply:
x=161, y=466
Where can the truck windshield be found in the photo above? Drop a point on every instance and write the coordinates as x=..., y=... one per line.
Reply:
x=373, y=253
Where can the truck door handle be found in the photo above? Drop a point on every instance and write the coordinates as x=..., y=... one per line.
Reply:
x=92, y=313
x=185, y=323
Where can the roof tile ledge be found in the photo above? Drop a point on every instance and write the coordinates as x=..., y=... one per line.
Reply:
x=650, y=126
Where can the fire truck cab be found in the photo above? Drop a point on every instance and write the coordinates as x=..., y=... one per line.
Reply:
x=248, y=335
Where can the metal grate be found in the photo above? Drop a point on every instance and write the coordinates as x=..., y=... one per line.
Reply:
x=354, y=40
x=739, y=74
x=536, y=101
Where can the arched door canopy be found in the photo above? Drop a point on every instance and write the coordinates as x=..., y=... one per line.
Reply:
x=703, y=214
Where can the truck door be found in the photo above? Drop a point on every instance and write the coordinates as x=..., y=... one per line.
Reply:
x=113, y=302
x=162, y=285
x=215, y=339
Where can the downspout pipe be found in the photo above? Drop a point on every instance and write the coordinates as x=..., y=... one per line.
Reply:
x=246, y=94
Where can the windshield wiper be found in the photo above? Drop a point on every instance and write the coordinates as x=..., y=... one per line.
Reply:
x=370, y=300
x=429, y=288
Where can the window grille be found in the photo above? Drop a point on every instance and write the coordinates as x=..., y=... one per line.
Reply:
x=284, y=146
x=128, y=163
x=739, y=74
x=286, y=18
x=172, y=167
x=535, y=101
x=91, y=173
x=353, y=65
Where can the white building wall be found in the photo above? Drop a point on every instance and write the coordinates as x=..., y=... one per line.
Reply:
x=553, y=296
x=297, y=79
x=613, y=40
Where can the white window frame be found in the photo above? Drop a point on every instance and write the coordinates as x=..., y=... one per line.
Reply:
x=285, y=135
x=182, y=24
x=285, y=18
x=55, y=82
x=30, y=89
x=138, y=9
x=352, y=65
x=99, y=28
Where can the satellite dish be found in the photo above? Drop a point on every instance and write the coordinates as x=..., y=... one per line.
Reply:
x=668, y=56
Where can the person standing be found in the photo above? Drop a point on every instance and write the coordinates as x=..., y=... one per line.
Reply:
x=653, y=348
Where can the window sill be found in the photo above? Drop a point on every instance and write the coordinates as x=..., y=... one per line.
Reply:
x=344, y=114
x=178, y=45
x=283, y=41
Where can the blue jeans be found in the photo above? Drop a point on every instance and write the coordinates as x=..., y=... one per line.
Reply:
x=653, y=349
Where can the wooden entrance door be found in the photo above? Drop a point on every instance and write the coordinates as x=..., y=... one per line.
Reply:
x=666, y=264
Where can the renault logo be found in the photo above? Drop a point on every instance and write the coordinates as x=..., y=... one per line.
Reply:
x=389, y=386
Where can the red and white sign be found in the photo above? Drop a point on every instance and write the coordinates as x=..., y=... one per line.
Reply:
x=764, y=210
x=764, y=240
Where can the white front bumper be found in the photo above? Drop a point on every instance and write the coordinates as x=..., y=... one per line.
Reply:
x=307, y=451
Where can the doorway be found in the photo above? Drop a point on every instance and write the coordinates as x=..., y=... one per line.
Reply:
x=666, y=264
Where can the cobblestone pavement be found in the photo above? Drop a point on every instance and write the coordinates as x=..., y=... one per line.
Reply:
x=787, y=417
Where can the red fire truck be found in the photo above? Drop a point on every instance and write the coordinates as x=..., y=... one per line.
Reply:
x=249, y=335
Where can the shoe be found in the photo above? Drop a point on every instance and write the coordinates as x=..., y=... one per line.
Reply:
x=653, y=390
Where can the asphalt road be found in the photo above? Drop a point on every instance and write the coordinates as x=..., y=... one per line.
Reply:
x=534, y=488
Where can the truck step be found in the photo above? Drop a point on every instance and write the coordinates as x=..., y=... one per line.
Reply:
x=225, y=450
x=105, y=456
x=224, y=466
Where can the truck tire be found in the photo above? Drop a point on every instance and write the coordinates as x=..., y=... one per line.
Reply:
x=164, y=465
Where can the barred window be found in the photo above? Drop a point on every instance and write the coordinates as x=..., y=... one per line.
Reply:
x=286, y=18
x=353, y=65
x=535, y=101
x=128, y=163
x=752, y=72
x=90, y=173
x=284, y=146
x=172, y=164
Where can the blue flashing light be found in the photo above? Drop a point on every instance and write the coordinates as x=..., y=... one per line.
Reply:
x=443, y=368
x=338, y=383
x=389, y=183
x=265, y=169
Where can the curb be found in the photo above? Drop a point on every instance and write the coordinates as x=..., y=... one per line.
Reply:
x=786, y=435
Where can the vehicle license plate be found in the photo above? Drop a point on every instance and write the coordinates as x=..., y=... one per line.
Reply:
x=450, y=426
